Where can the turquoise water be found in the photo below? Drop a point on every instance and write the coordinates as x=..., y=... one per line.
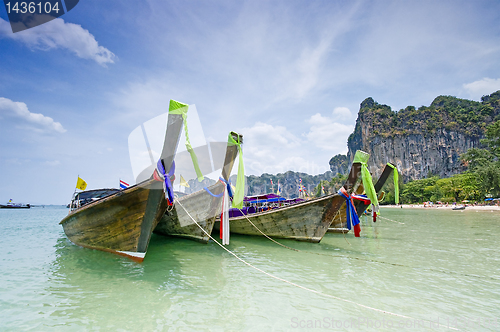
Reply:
x=438, y=265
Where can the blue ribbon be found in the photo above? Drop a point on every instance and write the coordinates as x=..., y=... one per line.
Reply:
x=166, y=178
x=350, y=211
x=208, y=191
x=228, y=185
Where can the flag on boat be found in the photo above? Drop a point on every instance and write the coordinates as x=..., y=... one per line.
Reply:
x=322, y=190
x=184, y=182
x=278, y=191
x=124, y=185
x=80, y=184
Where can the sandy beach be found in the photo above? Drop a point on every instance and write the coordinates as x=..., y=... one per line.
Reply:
x=444, y=207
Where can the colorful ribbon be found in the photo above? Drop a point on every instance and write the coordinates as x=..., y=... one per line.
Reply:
x=167, y=184
x=362, y=158
x=224, y=218
x=351, y=214
x=396, y=182
x=239, y=192
x=228, y=185
x=182, y=109
x=361, y=198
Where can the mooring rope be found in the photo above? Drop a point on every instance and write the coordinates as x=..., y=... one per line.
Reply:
x=363, y=259
x=303, y=287
x=340, y=218
x=401, y=223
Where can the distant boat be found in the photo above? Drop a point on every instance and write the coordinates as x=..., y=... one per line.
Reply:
x=302, y=220
x=122, y=221
x=461, y=207
x=12, y=205
x=203, y=205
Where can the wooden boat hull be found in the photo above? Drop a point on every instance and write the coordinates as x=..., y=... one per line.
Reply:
x=202, y=206
x=14, y=207
x=305, y=221
x=121, y=223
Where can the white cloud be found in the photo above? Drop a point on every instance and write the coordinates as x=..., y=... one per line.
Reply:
x=308, y=68
x=482, y=87
x=327, y=134
x=20, y=110
x=274, y=149
x=59, y=34
x=342, y=113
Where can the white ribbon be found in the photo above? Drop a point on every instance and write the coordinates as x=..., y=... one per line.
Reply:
x=225, y=217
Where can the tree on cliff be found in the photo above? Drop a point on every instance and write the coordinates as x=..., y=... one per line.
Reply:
x=339, y=164
x=424, y=139
x=485, y=163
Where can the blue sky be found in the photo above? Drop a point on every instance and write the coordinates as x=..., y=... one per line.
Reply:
x=288, y=75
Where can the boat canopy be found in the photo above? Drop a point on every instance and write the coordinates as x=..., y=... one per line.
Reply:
x=264, y=198
x=98, y=193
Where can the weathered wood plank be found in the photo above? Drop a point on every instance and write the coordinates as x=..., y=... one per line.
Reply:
x=201, y=206
x=116, y=222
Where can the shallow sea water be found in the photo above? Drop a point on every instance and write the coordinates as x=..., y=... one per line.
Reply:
x=429, y=267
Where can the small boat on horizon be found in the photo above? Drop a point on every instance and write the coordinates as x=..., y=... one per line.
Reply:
x=12, y=205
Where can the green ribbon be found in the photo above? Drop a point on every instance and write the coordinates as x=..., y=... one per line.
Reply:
x=176, y=107
x=396, y=182
x=362, y=158
x=239, y=192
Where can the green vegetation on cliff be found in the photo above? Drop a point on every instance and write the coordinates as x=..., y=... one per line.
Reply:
x=481, y=180
x=445, y=112
x=339, y=164
x=440, y=134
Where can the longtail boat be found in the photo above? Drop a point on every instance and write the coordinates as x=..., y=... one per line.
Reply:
x=361, y=203
x=122, y=221
x=203, y=205
x=302, y=220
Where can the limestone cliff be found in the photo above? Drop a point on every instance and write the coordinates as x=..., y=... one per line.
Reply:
x=427, y=140
x=338, y=164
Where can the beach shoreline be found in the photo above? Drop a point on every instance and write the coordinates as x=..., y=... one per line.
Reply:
x=444, y=207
